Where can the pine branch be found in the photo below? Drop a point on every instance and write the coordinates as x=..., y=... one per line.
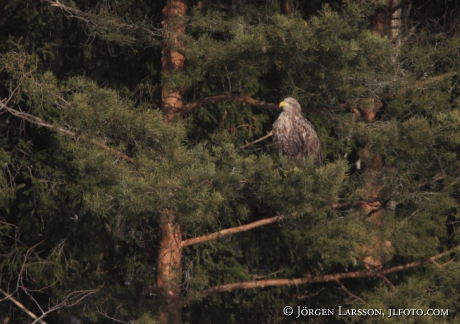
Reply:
x=228, y=98
x=257, y=140
x=40, y=122
x=323, y=278
x=92, y=19
x=230, y=231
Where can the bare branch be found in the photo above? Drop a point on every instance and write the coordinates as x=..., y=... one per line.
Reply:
x=72, y=299
x=230, y=231
x=322, y=278
x=21, y=306
x=350, y=293
x=103, y=313
x=311, y=295
x=266, y=276
x=257, y=140
x=388, y=282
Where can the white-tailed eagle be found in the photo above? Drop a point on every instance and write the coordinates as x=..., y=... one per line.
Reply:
x=294, y=136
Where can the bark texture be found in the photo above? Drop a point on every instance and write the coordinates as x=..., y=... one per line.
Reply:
x=172, y=59
x=170, y=270
x=169, y=257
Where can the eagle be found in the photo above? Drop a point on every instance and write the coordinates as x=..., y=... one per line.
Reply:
x=294, y=136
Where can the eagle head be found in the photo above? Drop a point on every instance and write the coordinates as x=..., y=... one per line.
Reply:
x=290, y=105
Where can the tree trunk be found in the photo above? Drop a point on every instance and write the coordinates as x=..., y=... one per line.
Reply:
x=169, y=270
x=172, y=60
x=169, y=256
x=286, y=7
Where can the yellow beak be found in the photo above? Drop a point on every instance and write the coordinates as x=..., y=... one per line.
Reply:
x=282, y=104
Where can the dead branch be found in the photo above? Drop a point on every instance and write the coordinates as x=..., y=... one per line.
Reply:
x=350, y=293
x=257, y=140
x=70, y=299
x=254, y=277
x=73, y=12
x=311, y=295
x=388, y=282
x=21, y=306
x=323, y=278
x=40, y=122
x=103, y=313
x=230, y=231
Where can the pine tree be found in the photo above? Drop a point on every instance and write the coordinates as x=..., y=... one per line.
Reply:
x=125, y=198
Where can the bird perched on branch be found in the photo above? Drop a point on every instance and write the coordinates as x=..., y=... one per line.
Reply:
x=294, y=136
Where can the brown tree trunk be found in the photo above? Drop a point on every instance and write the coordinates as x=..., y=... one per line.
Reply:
x=172, y=60
x=392, y=20
x=169, y=270
x=169, y=255
x=286, y=7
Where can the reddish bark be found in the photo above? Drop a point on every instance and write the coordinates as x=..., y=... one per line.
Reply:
x=172, y=60
x=230, y=231
x=286, y=7
x=169, y=270
x=169, y=254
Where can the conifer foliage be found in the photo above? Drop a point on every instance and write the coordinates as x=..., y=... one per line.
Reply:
x=132, y=190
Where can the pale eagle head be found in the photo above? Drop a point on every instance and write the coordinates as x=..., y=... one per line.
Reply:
x=290, y=105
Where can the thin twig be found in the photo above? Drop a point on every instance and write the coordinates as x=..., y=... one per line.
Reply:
x=388, y=282
x=311, y=295
x=257, y=140
x=21, y=306
x=350, y=293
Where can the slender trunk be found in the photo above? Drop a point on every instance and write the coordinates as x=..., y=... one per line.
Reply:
x=169, y=256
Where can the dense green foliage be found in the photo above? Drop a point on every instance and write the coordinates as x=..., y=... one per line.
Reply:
x=75, y=215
